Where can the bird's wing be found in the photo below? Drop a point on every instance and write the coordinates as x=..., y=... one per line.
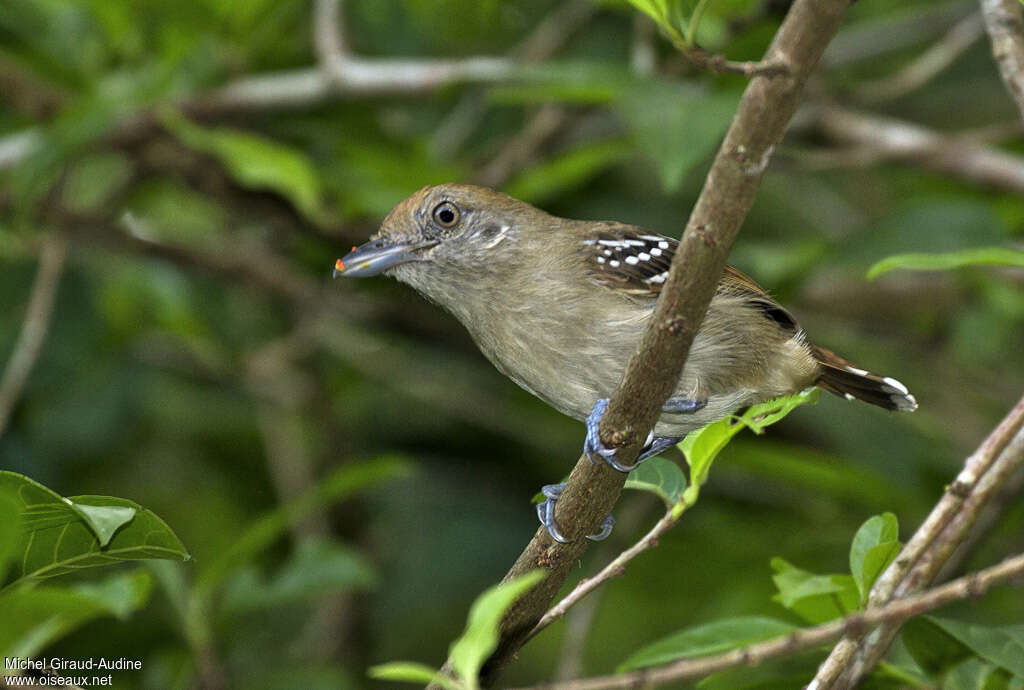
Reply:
x=635, y=262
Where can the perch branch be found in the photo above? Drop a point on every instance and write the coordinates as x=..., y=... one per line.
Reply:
x=761, y=119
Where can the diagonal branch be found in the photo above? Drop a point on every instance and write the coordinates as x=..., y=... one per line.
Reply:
x=972, y=585
x=764, y=112
x=36, y=324
x=985, y=472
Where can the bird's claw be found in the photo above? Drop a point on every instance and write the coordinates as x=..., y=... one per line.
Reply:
x=546, y=515
x=592, y=445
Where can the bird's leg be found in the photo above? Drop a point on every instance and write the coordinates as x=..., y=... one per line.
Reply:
x=592, y=446
x=653, y=445
x=546, y=514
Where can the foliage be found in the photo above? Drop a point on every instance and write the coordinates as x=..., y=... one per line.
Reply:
x=200, y=361
x=43, y=535
x=987, y=256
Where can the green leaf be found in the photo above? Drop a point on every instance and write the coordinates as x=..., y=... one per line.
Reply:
x=976, y=674
x=874, y=547
x=468, y=653
x=58, y=535
x=661, y=477
x=566, y=171
x=710, y=638
x=411, y=672
x=254, y=161
x=120, y=594
x=36, y=617
x=1001, y=645
x=981, y=256
x=702, y=446
x=676, y=125
x=661, y=12
x=815, y=598
x=758, y=417
x=932, y=648
x=319, y=567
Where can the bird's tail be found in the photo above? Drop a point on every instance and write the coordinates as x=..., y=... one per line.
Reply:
x=847, y=380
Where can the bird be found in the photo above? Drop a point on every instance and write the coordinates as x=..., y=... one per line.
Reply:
x=558, y=306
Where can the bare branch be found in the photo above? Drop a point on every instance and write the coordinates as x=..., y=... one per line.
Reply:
x=35, y=326
x=882, y=137
x=927, y=66
x=614, y=569
x=354, y=78
x=521, y=148
x=764, y=112
x=329, y=35
x=870, y=38
x=973, y=585
x=1003, y=20
x=985, y=472
x=718, y=64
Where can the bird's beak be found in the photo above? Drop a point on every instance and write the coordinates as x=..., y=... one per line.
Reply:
x=377, y=256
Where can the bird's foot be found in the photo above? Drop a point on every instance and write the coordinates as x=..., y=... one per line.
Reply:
x=653, y=445
x=546, y=514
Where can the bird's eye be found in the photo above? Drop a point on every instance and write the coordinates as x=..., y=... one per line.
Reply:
x=446, y=214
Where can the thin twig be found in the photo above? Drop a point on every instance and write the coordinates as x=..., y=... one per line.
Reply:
x=998, y=458
x=579, y=619
x=329, y=35
x=544, y=41
x=1005, y=25
x=614, y=569
x=973, y=585
x=718, y=64
x=35, y=326
x=926, y=66
x=521, y=148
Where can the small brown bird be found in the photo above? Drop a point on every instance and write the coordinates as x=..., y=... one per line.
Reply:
x=558, y=306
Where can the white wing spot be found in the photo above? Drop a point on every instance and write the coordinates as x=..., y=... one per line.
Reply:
x=848, y=396
x=632, y=260
x=858, y=372
x=643, y=256
x=600, y=259
x=655, y=252
x=662, y=245
x=613, y=263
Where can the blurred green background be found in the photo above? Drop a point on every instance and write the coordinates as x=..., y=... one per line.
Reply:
x=201, y=362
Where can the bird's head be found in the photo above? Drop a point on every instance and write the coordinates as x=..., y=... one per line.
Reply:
x=444, y=234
